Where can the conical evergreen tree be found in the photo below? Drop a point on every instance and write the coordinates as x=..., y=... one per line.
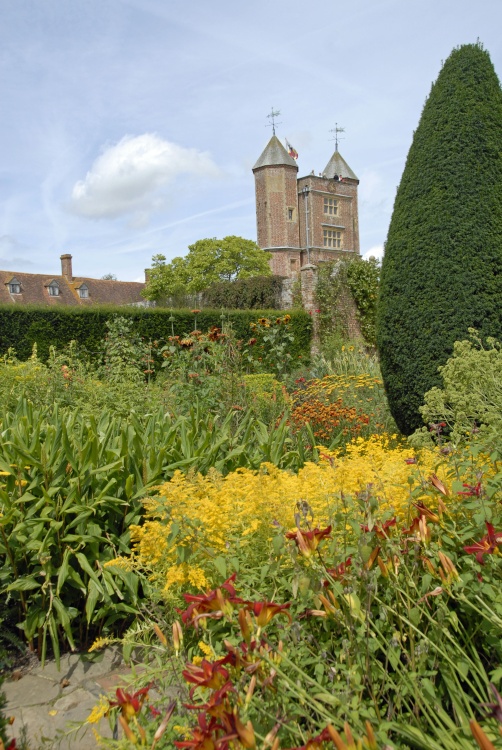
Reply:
x=442, y=270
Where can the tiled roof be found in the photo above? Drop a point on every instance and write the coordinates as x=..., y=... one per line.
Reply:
x=338, y=165
x=34, y=290
x=275, y=154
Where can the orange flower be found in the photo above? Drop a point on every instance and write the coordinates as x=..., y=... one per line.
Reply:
x=130, y=703
x=340, y=572
x=202, y=736
x=308, y=541
x=265, y=611
x=218, y=703
x=380, y=531
x=215, y=603
x=210, y=674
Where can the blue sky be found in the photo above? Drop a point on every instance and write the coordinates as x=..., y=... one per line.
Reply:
x=130, y=127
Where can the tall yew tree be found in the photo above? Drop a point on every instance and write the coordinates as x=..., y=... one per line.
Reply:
x=442, y=270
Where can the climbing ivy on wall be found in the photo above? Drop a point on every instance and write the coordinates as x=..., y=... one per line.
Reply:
x=363, y=280
x=341, y=283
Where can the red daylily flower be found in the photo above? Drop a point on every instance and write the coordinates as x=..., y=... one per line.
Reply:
x=235, y=729
x=380, y=531
x=340, y=572
x=488, y=545
x=473, y=490
x=212, y=604
x=130, y=703
x=316, y=743
x=308, y=541
x=203, y=736
x=418, y=525
x=265, y=611
x=211, y=674
x=218, y=704
x=246, y=656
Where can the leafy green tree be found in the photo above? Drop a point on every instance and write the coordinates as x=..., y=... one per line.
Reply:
x=208, y=261
x=167, y=282
x=442, y=269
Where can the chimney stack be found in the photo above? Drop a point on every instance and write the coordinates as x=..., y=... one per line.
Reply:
x=66, y=269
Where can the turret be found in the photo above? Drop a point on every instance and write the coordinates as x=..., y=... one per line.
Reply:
x=275, y=175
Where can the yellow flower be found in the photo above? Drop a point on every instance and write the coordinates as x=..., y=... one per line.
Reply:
x=206, y=650
x=100, y=643
x=98, y=711
x=124, y=563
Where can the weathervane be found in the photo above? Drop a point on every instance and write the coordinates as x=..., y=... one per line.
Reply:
x=337, y=130
x=272, y=116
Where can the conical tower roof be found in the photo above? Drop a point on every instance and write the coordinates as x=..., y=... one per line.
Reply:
x=274, y=155
x=338, y=165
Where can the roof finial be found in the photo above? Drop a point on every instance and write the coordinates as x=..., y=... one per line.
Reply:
x=336, y=130
x=272, y=116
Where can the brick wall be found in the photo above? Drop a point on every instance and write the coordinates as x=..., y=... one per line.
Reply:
x=275, y=188
x=314, y=190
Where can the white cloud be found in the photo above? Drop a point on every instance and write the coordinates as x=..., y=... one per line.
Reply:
x=128, y=177
x=376, y=251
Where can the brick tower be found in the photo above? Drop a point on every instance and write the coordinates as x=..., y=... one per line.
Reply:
x=277, y=220
x=307, y=220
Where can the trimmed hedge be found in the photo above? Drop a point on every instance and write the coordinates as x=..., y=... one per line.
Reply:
x=21, y=327
x=442, y=269
x=255, y=293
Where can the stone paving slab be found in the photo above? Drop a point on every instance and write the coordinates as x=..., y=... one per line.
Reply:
x=45, y=701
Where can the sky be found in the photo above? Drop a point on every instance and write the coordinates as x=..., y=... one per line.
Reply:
x=130, y=128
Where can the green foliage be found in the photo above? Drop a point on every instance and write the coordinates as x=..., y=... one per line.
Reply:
x=471, y=394
x=21, y=327
x=253, y=293
x=441, y=269
x=167, y=283
x=70, y=488
x=345, y=287
x=208, y=261
x=68, y=494
x=340, y=357
x=363, y=280
x=124, y=352
x=269, y=348
x=265, y=396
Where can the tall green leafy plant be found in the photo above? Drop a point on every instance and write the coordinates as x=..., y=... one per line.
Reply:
x=441, y=269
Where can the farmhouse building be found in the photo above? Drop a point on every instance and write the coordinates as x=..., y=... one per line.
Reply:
x=303, y=221
x=66, y=289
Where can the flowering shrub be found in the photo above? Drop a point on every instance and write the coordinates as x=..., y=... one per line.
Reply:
x=340, y=407
x=389, y=640
x=195, y=519
x=471, y=396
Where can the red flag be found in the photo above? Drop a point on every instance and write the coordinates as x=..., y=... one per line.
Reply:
x=291, y=151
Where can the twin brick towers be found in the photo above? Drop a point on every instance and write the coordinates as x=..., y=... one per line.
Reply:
x=303, y=221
